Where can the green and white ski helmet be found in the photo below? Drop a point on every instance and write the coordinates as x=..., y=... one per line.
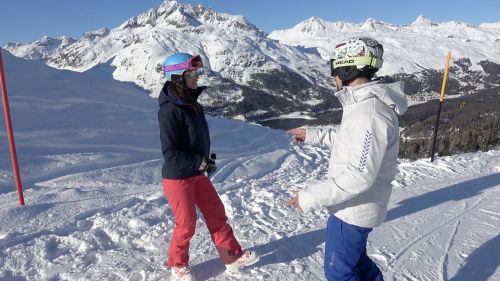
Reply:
x=362, y=52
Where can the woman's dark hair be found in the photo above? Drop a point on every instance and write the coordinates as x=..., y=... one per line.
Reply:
x=180, y=90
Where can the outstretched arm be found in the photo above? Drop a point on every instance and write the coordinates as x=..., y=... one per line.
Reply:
x=320, y=136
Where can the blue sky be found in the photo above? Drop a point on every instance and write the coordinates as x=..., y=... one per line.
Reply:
x=28, y=20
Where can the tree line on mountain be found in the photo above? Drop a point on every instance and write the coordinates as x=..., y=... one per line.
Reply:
x=270, y=95
x=469, y=123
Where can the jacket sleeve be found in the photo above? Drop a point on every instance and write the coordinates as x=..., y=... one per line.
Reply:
x=171, y=127
x=320, y=136
x=366, y=141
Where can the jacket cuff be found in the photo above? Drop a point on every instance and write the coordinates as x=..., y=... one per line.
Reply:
x=306, y=201
x=311, y=136
x=309, y=132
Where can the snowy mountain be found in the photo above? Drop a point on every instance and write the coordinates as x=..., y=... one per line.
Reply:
x=255, y=76
x=253, y=66
x=90, y=161
x=408, y=48
x=415, y=53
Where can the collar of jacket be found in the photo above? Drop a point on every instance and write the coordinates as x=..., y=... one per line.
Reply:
x=385, y=89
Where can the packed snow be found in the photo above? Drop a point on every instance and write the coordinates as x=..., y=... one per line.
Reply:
x=90, y=161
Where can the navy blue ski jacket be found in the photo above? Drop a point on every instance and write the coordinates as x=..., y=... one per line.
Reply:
x=184, y=135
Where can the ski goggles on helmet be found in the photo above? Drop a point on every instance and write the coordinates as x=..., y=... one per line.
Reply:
x=354, y=61
x=192, y=63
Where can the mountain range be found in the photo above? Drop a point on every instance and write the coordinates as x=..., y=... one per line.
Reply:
x=256, y=76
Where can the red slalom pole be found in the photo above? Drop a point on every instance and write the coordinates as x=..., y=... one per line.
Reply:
x=10, y=134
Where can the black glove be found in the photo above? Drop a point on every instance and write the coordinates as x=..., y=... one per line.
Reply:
x=208, y=166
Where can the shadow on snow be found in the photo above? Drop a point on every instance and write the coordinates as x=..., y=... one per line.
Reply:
x=482, y=263
x=456, y=192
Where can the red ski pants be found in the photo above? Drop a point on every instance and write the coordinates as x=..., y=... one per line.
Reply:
x=184, y=196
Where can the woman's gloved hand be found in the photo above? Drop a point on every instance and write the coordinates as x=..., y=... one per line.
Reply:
x=208, y=166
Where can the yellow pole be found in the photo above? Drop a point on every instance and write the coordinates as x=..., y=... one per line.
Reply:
x=445, y=77
x=441, y=101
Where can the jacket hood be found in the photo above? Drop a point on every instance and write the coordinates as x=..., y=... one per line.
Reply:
x=166, y=95
x=387, y=90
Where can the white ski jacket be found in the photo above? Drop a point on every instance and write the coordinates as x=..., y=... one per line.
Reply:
x=364, y=155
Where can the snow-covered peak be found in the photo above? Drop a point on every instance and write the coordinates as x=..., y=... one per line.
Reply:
x=372, y=24
x=51, y=42
x=313, y=25
x=316, y=27
x=97, y=33
x=167, y=7
x=456, y=25
x=493, y=25
x=422, y=21
x=171, y=14
x=40, y=49
x=180, y=18
x=46, y=40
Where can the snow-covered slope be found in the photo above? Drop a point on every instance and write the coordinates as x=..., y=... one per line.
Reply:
x=67, y=112
x=408, y=48
x=91, y=167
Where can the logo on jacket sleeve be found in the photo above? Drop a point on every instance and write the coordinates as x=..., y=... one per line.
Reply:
x=364, y=153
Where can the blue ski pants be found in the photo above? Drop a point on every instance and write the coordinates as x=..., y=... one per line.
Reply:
x=345, y=253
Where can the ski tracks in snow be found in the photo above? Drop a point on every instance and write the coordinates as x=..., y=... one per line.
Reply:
x=415, y=247
x=441, y=224
x=120, y=221
x=449, y=244
x=255, y=190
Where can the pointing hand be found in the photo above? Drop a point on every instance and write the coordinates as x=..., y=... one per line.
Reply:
x=299, y=134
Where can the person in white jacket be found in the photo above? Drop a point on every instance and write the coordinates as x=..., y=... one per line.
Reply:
x=365, y=148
